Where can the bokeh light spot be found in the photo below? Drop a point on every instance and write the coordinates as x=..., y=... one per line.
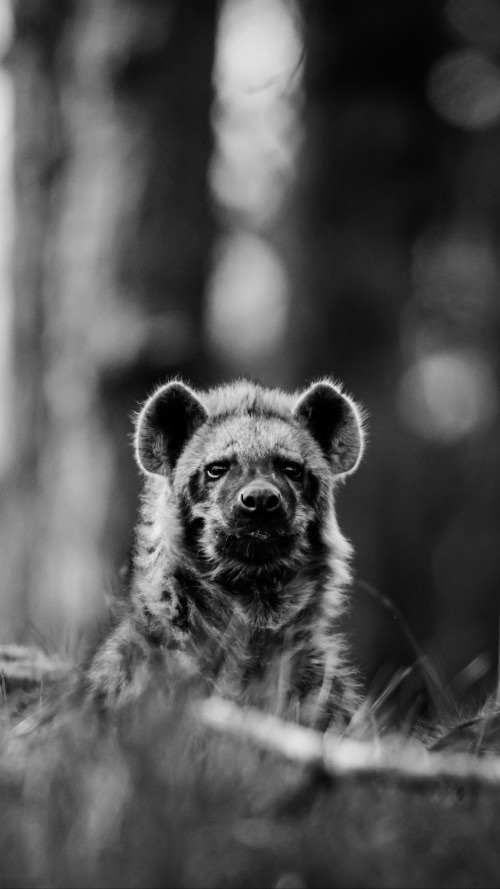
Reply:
x=448, y=395
x=259, y=46
x=257, y=84
x=247, y=299
x=476, y=20
x=454, y=271
x=464, y=88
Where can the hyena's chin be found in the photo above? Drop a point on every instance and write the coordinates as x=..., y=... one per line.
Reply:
x=256, y=546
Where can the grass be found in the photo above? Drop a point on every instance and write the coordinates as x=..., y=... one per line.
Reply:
x=154, y=797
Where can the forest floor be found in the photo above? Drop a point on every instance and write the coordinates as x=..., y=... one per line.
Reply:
x=162, y=796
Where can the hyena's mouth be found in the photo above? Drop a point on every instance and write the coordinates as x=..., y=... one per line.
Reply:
x=259, y=534
x=257, y=546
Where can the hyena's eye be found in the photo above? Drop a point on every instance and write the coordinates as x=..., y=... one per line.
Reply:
x=216, y=470
x=293, y=470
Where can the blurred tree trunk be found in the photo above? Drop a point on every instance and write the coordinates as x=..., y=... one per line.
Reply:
x=369, y=170
x=114, y=232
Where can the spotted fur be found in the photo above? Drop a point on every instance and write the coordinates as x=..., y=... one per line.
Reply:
x=249, y=599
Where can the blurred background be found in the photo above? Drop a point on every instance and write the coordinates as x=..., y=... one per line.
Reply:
x=275, y=188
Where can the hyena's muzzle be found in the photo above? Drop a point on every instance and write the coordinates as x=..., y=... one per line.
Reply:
x=258, y=501
x=256, y=512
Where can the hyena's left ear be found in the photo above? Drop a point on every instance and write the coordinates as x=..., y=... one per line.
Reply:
x=335, y=422
x=166, y=422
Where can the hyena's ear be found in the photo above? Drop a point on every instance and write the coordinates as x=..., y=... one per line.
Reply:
x=166, y=422
x=335, y=422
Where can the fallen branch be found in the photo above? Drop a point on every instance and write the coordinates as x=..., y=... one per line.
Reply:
x=344, y=757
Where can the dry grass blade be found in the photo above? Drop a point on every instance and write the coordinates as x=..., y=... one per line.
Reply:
x=23, y=666
x=443, y=699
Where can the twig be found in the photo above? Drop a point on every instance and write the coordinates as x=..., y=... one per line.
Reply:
x=344, y=757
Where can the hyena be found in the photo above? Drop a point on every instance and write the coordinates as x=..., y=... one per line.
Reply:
x=239, y=564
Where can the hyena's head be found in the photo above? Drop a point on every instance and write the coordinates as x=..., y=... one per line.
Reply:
x=252, y=471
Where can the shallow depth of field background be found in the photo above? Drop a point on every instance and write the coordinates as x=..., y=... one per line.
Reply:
x=268, y=188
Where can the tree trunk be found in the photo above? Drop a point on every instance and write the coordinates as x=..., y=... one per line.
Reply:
x=114, y=232
x=369, y=167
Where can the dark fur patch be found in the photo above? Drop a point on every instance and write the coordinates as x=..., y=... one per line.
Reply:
x=195, y=488
x=192, y=527
x=181, y=616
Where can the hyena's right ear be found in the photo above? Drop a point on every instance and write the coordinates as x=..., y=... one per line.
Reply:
x=166, y=422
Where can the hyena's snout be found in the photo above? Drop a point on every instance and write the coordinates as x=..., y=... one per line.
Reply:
x=259, y=500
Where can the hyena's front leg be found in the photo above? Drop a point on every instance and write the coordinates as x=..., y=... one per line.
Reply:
x=121, y=668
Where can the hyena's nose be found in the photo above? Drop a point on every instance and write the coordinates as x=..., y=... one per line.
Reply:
x=259, y=499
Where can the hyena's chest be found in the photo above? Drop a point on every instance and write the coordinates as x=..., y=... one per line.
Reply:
x=255, y=635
